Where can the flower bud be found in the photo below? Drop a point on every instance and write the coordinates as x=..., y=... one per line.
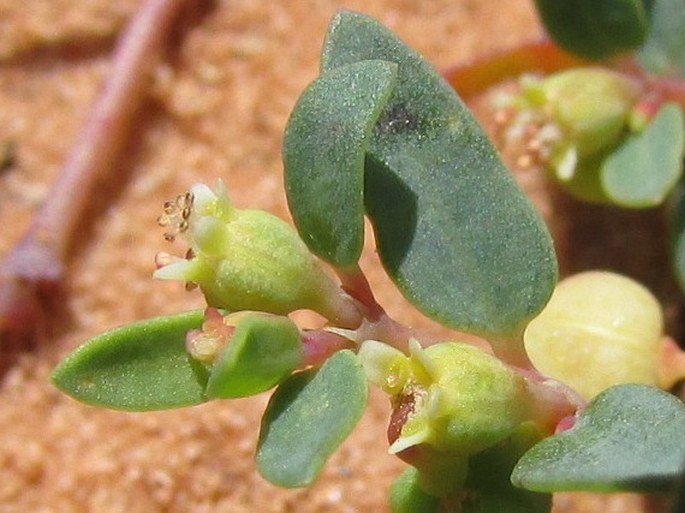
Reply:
x=590, y=105
x=451, y=401
x=573, y=119
x=247, y=259
x=456, y=397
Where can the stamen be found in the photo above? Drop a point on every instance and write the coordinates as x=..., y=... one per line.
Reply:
x=190, y=285
x=175, y=215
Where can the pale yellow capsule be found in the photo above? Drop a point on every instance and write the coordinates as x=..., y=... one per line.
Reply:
x=599, y=329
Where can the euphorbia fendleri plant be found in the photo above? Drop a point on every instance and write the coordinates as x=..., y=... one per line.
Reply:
x=567, y=397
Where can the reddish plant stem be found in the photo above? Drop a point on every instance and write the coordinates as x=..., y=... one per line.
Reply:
x=376, y=323
x=671, y=367
x=354, y=282
x=665, y=88
x=671, y=90
x=35, y=267
x=544, y=56
x=319, y=345
x=540, y=55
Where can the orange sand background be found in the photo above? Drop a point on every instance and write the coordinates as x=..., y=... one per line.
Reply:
x=217, y=109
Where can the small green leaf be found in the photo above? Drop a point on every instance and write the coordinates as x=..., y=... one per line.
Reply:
x=595, y=29
x=664, y=50
x=308, y=417
x=629, y=438
x=262, y=352
x=453, y=229
x=138, y=367
x=643, y=170
x=406, y=495
x=323, y=153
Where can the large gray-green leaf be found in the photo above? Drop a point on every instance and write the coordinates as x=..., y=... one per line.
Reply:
x=453, y=229
x=324, y=148
x=664, y=50
x=308, y=417
x=643, y=170
x=138, y=367
x=630, y=437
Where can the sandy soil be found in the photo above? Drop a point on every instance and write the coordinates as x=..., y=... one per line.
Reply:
x=217, y=109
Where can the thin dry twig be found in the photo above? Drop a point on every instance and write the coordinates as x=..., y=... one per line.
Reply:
x=34, y=269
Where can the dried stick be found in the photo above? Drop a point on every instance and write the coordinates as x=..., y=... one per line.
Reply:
x=34, y=269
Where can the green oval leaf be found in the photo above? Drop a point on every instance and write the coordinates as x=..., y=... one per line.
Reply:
x=643, y=170
x=323, y=153
x=664, y=50
x=308, y=417
x=138, y=367
x=262, y=352
x=595, y=29
x=453, y=229
x=630, y=437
